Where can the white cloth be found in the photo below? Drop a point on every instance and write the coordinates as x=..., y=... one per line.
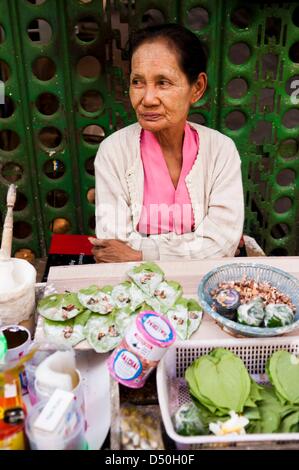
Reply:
x=214, y=184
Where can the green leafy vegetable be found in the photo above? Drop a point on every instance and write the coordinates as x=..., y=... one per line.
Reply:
x=283, y=371
x=254, y=395
x=270, y=410
x=290, y=420
x=220, y=384
x=219, y=381
x=188, y=421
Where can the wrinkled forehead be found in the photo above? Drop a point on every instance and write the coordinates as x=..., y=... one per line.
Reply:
x=157, y=56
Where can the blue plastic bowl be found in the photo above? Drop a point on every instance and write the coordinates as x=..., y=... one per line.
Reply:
x=283, y=281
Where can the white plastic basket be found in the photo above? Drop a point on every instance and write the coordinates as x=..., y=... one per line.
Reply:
x=173, y=391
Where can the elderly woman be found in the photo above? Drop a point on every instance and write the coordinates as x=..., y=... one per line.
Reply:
x=167, y=189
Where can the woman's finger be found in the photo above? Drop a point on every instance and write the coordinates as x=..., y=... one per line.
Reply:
x=98, y=260
x=96, y=250
x=98, y=254
x=97, y=242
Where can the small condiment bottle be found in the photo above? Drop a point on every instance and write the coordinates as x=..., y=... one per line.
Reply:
x=227, y=302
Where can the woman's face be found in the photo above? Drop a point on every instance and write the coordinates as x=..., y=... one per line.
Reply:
x=159, y=90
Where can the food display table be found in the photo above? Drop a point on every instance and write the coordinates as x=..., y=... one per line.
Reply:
x=188, y=274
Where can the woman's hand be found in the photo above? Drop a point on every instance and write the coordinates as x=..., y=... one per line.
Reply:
x=113, y=251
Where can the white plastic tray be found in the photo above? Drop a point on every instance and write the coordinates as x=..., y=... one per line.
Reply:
x=173, y=392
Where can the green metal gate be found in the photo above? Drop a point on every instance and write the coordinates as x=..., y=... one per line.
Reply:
x=64, y=67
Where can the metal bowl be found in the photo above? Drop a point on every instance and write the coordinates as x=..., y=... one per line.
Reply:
x=283, y=281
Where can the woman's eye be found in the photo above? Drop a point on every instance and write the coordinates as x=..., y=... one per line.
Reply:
x=136, y=82
x=164, y=83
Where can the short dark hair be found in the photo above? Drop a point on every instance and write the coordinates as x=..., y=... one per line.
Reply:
x=191, y=54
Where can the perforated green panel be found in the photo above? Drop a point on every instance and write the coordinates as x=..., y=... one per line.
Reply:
x=17, y=152
x=258, y=51
x=64, y=62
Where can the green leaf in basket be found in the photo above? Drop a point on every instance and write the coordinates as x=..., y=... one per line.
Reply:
x=265, y=416
x=254, y=395
x=254, y=426
x=252, y=414
x=290, y=422
x=270, y=410
x=283, y=372
x=188, y=421
x=219, y=381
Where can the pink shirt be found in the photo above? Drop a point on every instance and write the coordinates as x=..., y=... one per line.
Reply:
x=166, y=208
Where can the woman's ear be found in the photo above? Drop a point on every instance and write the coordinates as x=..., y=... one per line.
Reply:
x=199, y=87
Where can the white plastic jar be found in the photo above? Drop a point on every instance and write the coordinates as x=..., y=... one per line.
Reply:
x=145, y=343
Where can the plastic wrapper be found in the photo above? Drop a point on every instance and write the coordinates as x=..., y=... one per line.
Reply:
x=140, y=428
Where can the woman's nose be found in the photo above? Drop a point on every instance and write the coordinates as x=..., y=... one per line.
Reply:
x=150, y=97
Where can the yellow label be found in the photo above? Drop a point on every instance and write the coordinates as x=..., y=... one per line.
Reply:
x=14, y=442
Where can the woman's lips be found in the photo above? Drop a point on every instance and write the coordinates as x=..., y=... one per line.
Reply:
x=151, y=116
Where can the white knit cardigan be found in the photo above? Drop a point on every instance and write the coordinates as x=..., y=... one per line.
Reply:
x=214, y=185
